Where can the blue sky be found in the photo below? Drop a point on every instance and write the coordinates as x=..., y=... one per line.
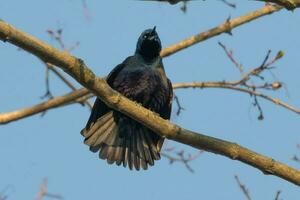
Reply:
x=52, y=147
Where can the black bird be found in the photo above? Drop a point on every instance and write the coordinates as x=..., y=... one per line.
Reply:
x=141, y=78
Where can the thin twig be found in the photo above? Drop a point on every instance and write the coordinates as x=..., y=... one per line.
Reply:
x=229, y=54
x=48, y=93
x=180, y=157
x=277, y=195
x=180, y=108
x=232, y=5
x=256, y=72
x=57, y=36
x=243, y=188
x=68, y=83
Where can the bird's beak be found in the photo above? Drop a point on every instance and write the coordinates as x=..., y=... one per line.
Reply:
x=153, y=30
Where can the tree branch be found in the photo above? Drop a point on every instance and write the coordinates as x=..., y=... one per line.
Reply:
x=78, y=70
x=67, y=82
x=15, y=115
x=47, y=105
x=227, y=85
x=83, y=93
x=288, y=4
x=226, y=27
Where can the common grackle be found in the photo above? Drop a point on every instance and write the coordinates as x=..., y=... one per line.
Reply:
x=141, y=78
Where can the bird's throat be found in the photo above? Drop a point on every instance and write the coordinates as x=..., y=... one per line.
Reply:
x=149, y=50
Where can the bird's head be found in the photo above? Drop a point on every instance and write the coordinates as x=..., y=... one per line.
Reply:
x=148, y=45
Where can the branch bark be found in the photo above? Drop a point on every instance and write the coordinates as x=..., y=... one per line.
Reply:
x=225, y=85
x=226, y=27
x=223, y=28
x=78, y=70
x=74, y=97
x=288, y=4
x=47, y=105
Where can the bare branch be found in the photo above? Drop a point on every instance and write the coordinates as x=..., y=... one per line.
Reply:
x=225, y=85
x=256, y=72
x=288, y=4
x=4, y=117
x=229, y=54
x=50, y=104
x=233, y=85
x=79, y=71
x=81, y=96
x=226, y=27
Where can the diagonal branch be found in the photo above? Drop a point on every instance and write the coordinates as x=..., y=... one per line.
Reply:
x=47, y=105
x=79, y=71
x=226, y=27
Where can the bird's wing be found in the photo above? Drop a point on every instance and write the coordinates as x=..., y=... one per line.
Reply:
x=165, y=113
x=167, y=108
x=100, y=108
x=114, y=73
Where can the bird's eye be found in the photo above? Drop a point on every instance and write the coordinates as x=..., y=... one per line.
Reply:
x=145, y=36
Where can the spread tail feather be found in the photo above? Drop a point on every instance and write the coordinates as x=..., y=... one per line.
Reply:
x=133, y=145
